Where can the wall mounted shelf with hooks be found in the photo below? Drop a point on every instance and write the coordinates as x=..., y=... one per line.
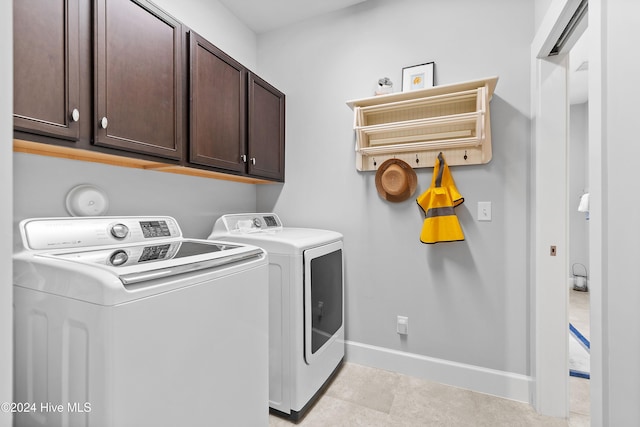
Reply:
x=415, y=126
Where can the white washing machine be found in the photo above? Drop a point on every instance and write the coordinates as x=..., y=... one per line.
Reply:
x=123, y=322
x=306, y=305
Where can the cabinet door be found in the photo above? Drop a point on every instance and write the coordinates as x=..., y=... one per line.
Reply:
x=138, y=78
x=218, y=107
x=46, y=67
x=266, y=130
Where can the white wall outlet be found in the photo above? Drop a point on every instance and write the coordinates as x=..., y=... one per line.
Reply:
x=402, y=325
x=484, y=211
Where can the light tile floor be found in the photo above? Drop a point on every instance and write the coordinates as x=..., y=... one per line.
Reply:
x=579, y=399
x=364, y=396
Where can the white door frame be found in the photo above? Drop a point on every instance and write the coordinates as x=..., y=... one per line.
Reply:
x=549, y=295
x=6, y=211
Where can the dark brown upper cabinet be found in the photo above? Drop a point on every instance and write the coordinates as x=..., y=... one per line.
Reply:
x=266, y=137
x=138, y=99
x=113, y=77
x=218, y=107
x=237, y=119
x=46, y=68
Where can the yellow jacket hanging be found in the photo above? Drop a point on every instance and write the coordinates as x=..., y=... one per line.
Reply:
x=441, y=223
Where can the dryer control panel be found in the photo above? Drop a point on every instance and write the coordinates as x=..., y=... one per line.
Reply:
x=248, y=223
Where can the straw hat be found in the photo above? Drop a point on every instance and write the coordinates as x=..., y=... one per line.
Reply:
x=396, y=181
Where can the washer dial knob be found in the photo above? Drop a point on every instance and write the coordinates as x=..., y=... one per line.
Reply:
x=118, y=258
x=119, y=231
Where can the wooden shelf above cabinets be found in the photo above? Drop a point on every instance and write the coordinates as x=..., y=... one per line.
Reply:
x=415, y=126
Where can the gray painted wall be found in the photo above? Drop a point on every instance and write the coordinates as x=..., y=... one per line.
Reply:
x=466, y=302
x=541, y=7
x=42, y=183
x=213, y=21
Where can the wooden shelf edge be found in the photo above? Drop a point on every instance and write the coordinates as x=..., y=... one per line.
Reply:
x=491, y=82
x=183, y=170
x=30, y=147
x=426, y=159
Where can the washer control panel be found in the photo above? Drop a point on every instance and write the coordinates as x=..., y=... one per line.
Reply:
x=60, y=233
x=119, y=231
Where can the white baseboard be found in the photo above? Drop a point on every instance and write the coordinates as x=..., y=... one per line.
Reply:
x=483, y=380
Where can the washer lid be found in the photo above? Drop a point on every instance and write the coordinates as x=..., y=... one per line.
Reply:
x=138, y=263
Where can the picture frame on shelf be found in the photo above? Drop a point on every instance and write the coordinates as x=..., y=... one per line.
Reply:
x=419, y=76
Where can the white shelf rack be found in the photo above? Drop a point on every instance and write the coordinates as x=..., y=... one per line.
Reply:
x=415, y=126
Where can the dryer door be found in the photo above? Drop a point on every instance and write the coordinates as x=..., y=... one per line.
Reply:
x=323, y=298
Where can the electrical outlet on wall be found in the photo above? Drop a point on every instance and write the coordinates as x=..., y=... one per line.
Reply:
x=402, y=325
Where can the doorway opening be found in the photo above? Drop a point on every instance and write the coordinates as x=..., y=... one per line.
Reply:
x=554, y=202
x=578, y=216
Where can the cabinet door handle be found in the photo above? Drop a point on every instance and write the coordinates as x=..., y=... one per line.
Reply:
x=244, y=158
x=104, y=123
x=253, y=160
x=75, y=115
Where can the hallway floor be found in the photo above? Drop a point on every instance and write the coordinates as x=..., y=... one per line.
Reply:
x=579, y=399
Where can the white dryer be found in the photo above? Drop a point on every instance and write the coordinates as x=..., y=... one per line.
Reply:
x=306, y=305
x=123, y=322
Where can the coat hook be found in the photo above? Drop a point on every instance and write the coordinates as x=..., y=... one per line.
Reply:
x=417, y=159
x=374, y=162
x=465, y=154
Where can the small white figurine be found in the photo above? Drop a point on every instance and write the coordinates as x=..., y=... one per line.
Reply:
x=385, y=85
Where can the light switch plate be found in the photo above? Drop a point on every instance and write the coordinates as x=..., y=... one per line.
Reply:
x=484, y=211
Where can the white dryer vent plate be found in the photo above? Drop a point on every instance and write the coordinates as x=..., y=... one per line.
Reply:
x=87, y=200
